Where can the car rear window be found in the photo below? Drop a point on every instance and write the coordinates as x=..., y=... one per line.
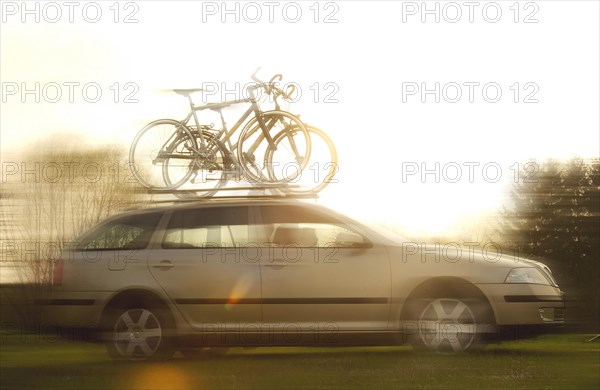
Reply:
x=130, y=232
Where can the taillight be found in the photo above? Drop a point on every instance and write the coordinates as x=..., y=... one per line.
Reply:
x=57, y=272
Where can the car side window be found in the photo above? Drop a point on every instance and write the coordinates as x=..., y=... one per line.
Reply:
x=304, y=227
x=221, y=227
x=131, y=232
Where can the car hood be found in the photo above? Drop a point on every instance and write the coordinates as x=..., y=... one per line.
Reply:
x=485, y=264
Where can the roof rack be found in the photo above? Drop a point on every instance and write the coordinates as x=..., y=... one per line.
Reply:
x=233, y=197
x=265, y=186
x=276, y=189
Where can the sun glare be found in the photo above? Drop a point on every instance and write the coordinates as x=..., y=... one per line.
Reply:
x=414, y=208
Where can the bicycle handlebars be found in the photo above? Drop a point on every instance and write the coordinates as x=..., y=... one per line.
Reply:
x=270, y=87
x=277, y=76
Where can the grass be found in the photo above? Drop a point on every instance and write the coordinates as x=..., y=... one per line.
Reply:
x=548, y=362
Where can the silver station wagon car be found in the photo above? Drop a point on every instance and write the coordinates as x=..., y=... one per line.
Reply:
x=286, y=272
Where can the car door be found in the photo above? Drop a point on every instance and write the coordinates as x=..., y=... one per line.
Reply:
x=199, y=264
x=112, y=255
x=320, y=272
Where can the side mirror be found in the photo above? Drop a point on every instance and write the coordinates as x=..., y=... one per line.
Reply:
x=350, y=240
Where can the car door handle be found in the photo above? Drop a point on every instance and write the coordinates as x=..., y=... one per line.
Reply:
x=164, y=265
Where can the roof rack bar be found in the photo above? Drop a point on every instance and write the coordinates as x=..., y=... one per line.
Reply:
x=247, y=188
x=226, y=197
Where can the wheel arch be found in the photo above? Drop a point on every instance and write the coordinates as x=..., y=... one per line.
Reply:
x=138, y=296
x=445, y=286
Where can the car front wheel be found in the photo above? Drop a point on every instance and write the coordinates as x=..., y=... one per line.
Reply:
x=450, y=324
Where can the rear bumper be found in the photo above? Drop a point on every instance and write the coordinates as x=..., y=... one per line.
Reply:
x=73, y=310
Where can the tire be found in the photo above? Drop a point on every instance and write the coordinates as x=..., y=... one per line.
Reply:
x=253, y=147
x=147, y=155
x=319, y=169
x=449, y=324
x=139, y=332
x=209, y=172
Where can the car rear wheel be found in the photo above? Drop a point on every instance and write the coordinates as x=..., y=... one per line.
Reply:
x=139, y=333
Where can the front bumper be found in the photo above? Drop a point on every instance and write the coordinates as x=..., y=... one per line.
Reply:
x=525, y=304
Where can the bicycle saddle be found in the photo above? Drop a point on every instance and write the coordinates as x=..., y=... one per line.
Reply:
x=218, y=106
x=186, y=92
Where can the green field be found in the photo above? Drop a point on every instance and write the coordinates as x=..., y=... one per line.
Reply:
x=548, y=362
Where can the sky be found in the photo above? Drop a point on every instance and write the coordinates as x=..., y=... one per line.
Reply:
x=434, y=107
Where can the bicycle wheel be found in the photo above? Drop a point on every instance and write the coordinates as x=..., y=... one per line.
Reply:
x=209, y=171
x=158, y=141
x=319, y=169
x=253, y=145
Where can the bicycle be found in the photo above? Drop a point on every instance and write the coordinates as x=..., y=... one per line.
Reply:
x=318, y=168
x=166, y=153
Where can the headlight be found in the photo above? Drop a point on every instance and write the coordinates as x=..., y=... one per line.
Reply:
x=548, y=273
x=526, y=275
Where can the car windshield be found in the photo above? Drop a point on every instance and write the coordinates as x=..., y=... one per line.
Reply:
x=381, y=230
x=386, y=232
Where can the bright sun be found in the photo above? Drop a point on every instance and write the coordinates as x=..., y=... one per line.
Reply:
x=414, y=208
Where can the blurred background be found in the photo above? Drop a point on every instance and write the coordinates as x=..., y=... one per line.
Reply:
x=447, y=128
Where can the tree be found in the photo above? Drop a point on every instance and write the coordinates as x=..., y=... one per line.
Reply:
x=556, y=218
x=50, y=196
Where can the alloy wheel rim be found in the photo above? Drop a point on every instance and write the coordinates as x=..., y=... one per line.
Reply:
x=447, y=325
x=137, y=334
